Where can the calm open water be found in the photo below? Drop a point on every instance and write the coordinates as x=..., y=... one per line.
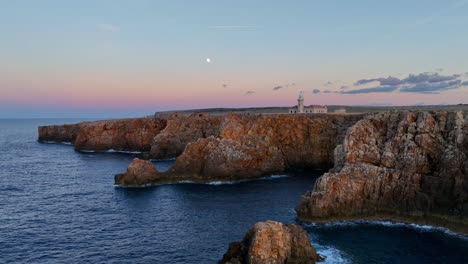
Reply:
x=58, y=206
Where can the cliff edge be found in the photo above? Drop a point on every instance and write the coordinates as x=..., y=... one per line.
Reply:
x=403, y=165
x=245, y=146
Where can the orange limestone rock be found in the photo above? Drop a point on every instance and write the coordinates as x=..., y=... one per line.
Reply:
x=399, y=165
x=272, y=243
x=180, y=131
x=139, y=173
x=134, y=134
x=256, y=146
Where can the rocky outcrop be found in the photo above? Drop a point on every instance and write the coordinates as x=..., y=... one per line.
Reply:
x=123, y=134
x=135, y=134
x=180, y=131
x=255, y=146
x=59, y=133
x=272, y=243
x=405, y=166
x=139, y=172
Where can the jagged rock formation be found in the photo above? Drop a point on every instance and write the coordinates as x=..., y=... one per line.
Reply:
x=400, y=165
x=254, y=146
x=58, y=133
x=180, y=131
x=272, y=243
x=134, y=134
x=125, y=134
x=139, y=172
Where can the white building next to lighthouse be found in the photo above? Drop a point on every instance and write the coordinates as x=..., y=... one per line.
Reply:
x=311, y=109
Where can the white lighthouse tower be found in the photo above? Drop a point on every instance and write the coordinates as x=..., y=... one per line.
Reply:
x=300, y=102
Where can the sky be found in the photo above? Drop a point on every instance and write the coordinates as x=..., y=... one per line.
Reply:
x=118, y=58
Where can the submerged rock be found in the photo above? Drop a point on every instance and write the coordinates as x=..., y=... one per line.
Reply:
x=272, y=243
x=400, y=165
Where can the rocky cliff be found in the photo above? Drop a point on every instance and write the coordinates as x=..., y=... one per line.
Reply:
x=272, y=243
x=58, y=133
x=125, y=134
x=254, y=146
x=406, y=166
x=180, y=131
x=134, y=134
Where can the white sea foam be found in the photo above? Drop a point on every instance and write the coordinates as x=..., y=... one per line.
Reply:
x=331, y=255
x=110, y=151
x=272, y=177
x=123, y=151
x=87, y=151
x=386, y=223
x=277, y=176
x=56, y=142
x=214, y=183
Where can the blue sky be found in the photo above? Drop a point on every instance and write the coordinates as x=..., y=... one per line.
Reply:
x=86, y=58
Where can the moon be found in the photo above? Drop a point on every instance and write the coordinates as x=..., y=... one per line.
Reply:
x=208, y=60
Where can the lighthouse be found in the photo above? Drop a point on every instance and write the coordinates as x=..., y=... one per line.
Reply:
x=311, y=109
x=300, y=102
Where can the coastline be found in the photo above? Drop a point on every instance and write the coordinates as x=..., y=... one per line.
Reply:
x=459, y=226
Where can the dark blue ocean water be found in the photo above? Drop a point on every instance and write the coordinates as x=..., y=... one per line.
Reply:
x=60, y=206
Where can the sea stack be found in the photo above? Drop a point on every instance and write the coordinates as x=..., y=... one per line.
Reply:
x=272, y=243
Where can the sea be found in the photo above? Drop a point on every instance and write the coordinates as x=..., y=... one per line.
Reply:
x=58, y=205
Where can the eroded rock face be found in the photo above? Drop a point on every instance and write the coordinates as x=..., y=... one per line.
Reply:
x=252, y=146
x=180, y=131
x=139, y=172
x=135, y=134
x=255, y=146
x=124, y=134
x=58, y=133
x=409, y=166
x=272, y=243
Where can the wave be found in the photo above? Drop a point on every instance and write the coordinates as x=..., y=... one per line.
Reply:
x=214, y=183
x=271, y=177
x=387, y=223
x=112, y=151
x=331, y=254
x=56, y=142
x=123, y=151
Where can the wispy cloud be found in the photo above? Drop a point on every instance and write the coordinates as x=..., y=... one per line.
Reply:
x=249, y=92
x=432, y=87
x=279, y=87
x=110, y=28
x=378, y=89
x=426, y=82
x=316, y=91
x=235, y=27
x=383, y=81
